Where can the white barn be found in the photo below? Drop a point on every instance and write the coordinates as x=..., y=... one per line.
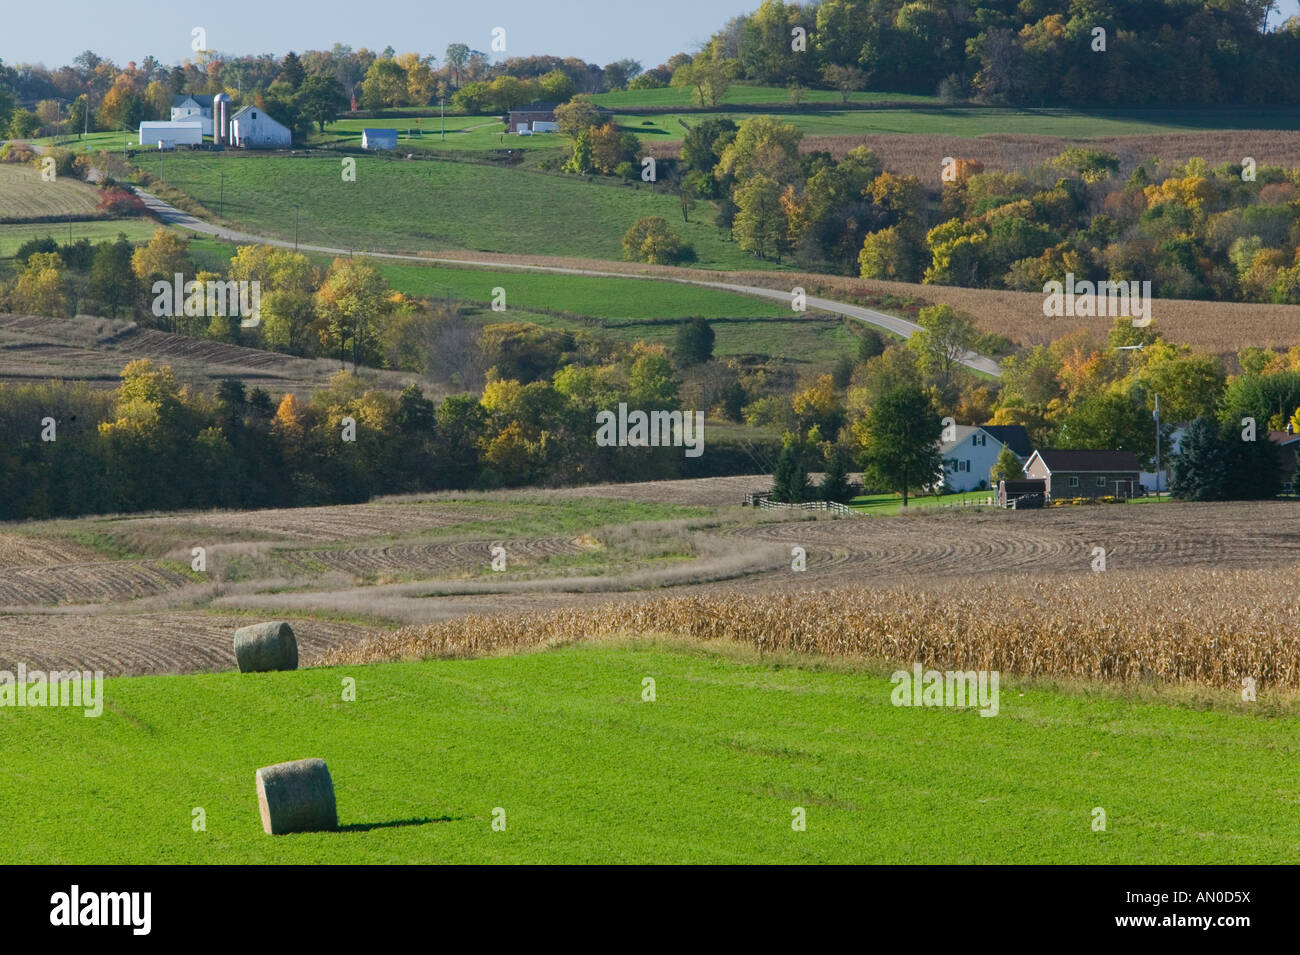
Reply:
x=251, y=128
x=170, y=135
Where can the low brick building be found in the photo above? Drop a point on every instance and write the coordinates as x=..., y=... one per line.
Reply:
x=1069, y=473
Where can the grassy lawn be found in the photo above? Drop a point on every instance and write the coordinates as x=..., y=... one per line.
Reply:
x=586, y=772
x=956, y=121
x=627, y=310
x=598, y=297
x=396, y=205
x=810, y=339
x=745, y=94
x=479, y=133
x=96, y=230
x=92, y=142
x=893, y=503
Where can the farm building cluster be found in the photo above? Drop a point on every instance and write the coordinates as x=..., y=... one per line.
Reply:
x=971, y=451
x=196, y=118
x=1048, y=474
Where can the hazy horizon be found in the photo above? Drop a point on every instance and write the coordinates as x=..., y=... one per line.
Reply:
x=598, y=32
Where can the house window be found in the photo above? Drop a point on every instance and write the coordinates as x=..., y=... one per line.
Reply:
x=1074, y=480
x=1101, y=481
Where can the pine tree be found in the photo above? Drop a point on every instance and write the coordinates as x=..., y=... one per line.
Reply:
x=1201, y=469
x=790, y=479
x=835, y=485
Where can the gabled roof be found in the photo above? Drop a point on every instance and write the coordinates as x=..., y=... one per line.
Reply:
x=1065, y=459
x=372, y=133
x=961, y=432
x=199, y=99
x=1014, y=436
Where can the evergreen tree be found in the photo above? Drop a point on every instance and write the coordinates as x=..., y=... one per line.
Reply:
x=694, y=342
x=790, y=479
x=835, y=485
x=1201, y=469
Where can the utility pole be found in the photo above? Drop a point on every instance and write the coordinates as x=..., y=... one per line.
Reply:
x=1156, y=414
x=295, y=228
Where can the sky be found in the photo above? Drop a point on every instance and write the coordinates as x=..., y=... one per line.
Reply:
x=598, y=31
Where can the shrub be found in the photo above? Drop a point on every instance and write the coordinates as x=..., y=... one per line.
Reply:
x=653, y=240
x=118, y=203
x=32, y=246
x=16, y=152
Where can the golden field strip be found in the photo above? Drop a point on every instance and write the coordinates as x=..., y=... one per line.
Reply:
x=1208, y=627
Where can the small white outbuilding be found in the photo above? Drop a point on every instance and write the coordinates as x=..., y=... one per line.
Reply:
x=169, y=135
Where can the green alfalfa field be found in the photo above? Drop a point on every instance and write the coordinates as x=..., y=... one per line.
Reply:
x=586, y=770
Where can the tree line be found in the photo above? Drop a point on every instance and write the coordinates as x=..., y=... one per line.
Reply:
x=1020, y=52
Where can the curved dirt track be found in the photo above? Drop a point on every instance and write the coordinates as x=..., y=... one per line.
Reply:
x=439, y=556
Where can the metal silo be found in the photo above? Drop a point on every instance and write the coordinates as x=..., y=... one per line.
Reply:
x=221, y=119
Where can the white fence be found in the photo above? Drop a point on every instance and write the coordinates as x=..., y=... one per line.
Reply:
x=833, y=506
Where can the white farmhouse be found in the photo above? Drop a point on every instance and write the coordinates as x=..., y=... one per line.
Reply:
x=251, y=128
x=193, y=108
x=970, y=455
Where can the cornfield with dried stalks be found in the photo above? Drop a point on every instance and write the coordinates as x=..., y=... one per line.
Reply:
x=1200, y=626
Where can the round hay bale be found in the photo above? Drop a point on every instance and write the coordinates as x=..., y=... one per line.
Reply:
x=266, y=646
x=296, y=797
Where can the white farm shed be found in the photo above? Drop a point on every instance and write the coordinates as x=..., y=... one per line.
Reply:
x=378, y=139
x=251, y=128
x=169, y=135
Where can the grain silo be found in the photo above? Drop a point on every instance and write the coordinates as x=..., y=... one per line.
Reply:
x=221, y=119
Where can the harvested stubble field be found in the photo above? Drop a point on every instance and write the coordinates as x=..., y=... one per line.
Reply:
x=93, y=349
x=25, y=195
x=921, y=155
x=613, y=554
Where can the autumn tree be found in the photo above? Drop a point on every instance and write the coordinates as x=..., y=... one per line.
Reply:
x=759, y=224
x=353, y=303
x=166, y=254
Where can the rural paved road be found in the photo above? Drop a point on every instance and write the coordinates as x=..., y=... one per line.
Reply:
x=170, y=214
